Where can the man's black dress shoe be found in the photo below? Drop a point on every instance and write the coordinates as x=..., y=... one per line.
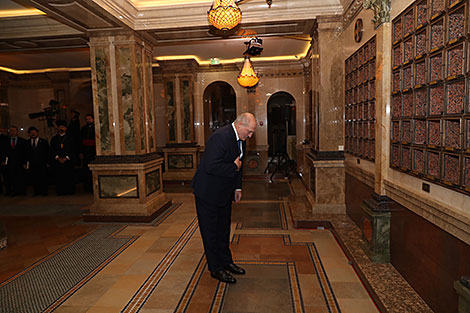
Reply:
x=224, y=277
x=235, y=269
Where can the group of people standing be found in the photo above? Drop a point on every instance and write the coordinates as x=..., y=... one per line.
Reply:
x=35, y=160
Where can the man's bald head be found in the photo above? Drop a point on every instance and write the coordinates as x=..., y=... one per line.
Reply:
x=246, y=125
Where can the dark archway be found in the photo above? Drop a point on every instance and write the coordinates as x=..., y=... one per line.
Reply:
x=220, y=106
x=281, y=122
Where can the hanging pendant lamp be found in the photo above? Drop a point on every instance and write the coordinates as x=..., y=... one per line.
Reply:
x=247, y=77
x=224, y=14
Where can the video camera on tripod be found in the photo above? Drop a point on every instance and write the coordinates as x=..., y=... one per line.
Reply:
x=47, y=114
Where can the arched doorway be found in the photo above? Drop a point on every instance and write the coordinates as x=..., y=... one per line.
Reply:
x=220, y=106
x=281, y=124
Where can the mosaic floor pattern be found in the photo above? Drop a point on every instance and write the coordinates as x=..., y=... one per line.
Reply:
x=161, y=268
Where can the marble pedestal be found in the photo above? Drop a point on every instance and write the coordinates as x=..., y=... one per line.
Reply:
x=3, y=236
x=180, y=162
x=376, y=228
x=127, y=189
x=326, y=192
x=464, y=297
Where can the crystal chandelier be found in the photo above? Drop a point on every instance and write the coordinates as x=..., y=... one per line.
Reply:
x=224, y=14
x=247, y=77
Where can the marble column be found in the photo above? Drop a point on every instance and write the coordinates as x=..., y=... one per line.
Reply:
x=376, y=212
x=181, y=151
x=326, y=160
x=127, y=173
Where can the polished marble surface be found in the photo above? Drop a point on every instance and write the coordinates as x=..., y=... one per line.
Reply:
x=163, y=270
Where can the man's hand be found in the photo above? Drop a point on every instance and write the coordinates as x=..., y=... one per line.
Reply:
x=238, y=163
x=238, y=195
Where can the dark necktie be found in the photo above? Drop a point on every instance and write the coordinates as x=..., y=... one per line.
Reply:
x=239, y=148
x=13, y=142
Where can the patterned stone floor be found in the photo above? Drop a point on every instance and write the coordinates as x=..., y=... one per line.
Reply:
x=163, y=270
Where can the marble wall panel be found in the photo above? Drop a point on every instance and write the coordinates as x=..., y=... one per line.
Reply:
x=467, y=134
x=101, y=65
x=171, y=110
x=187, y=121
x=407, y=77
x=397, y=55
x=118, y=186
x=127, y=105
x=140, y=100
x=396, y=106
x=150, y=103
x=396, y=130
x=397, y=30
x=152, y=182
x=408, y=50
x=180, y=161
x=330, y=187
x=395, y=158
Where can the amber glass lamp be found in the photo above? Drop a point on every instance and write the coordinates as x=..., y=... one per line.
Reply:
x=247, y=77
x=224, y=14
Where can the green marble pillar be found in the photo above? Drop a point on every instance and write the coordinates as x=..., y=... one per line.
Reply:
x=376, y=228
x=127, y=173
x=464, y=297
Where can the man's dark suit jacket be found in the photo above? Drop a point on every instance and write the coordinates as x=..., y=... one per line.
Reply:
x=63, y=146
x=38, y=156
x=217, y=177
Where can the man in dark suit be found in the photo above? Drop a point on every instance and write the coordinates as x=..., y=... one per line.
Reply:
x=3, y=147
x=88, y=150
x=63, y=153
x=14, y=162
x=218, y=182
x=38, y=156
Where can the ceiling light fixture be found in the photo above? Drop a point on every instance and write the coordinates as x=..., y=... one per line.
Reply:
x=247, y=77
x=225, y=14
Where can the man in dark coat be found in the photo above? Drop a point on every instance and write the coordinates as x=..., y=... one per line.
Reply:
x=3, y=146
x=88, y=149
x=218, y=182
x=38, y=156
x=14, y=162
x=63, y=153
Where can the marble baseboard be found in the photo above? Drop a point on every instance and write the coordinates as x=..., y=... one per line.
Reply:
x=445, y=218
x=329, y=208
x=125, y=218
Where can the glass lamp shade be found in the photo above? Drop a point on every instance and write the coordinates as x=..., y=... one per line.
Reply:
x=224, y=14
x=247, y=77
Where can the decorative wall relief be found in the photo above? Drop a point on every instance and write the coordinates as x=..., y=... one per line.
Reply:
x=118, y=186
x=381, y=10
x=126, y=98
x=180, y=161
x=102, y=97
x=140, y=100
x=152, y=182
